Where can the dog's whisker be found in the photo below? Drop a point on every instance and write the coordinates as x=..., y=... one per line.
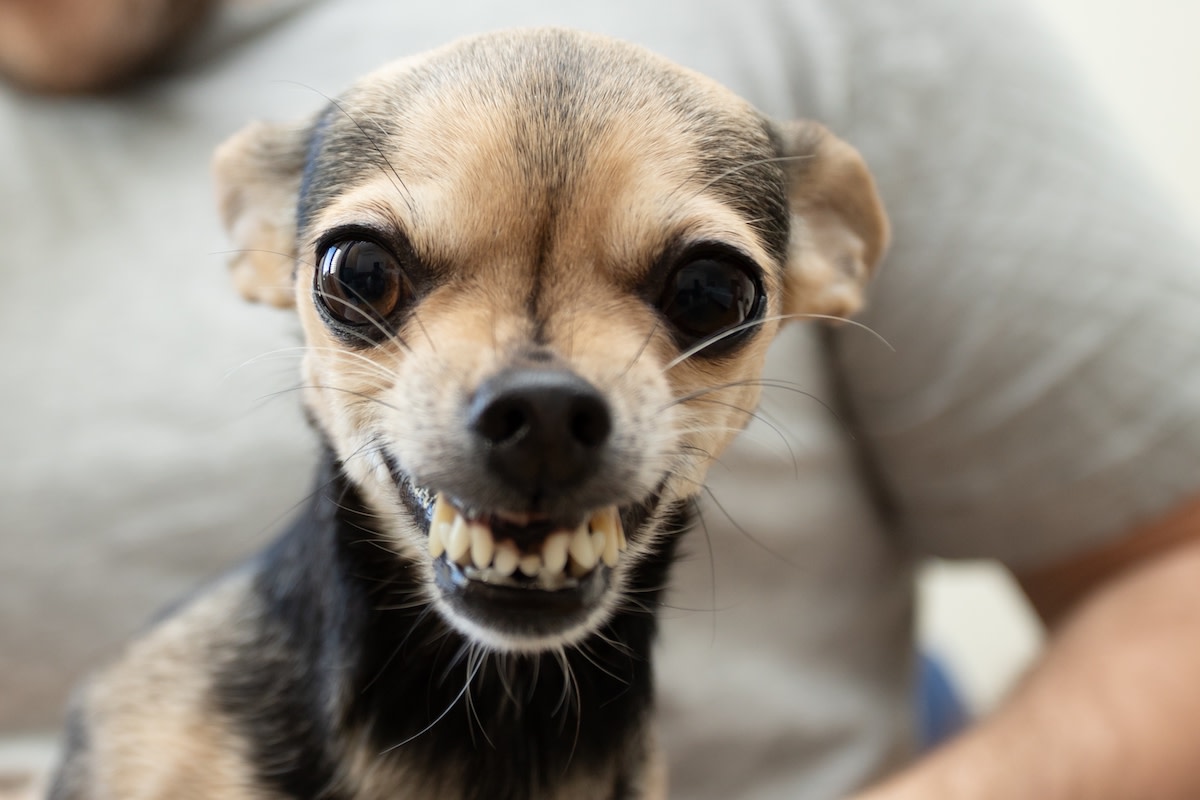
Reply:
x=439, y=718
x=712, y=572
x=479, y=655
x=640, y=351
x=387, y=333
x=328, y=388
x=397, y=182
x=753, y=539
x=783, y=159
x=736, y=329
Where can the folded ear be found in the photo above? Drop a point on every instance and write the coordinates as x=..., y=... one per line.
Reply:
x=839, y=229
x=258, y=172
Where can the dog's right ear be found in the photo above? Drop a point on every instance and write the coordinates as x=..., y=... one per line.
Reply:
x=258, y=173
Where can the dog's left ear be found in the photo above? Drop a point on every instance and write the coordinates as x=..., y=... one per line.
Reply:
x=839, y=229
x=258, y=172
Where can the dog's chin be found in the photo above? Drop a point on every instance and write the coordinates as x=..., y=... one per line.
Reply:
x=519, y=582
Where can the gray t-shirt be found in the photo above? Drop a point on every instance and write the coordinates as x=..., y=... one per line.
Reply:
x=1041, y=303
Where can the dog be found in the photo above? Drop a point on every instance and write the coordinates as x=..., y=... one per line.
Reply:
x=537, y=273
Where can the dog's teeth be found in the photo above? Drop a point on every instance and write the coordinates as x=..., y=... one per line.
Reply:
x=607, y=524
x=458, y=541
x=437, y=545
x=443, y=512
x=483, y=546
x=554, y=552
x=598, y=543
x=506, y=559
x=530, y=564
x=563, y=553
x=580, y=548
x=611, y=553
x=440, y=524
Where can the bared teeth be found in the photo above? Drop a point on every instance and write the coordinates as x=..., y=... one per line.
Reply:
x=554, y=552
x=580, y=548
x=483, y=546
x=439, y=526
x=507, y=558
x=574, y=553
x=458, y=541
x=530, y=565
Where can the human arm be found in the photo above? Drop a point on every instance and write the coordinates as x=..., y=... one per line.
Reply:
x=1112, y=709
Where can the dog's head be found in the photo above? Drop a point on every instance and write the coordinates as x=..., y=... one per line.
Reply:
x=538, y=273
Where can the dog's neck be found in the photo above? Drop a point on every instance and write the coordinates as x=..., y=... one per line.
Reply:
x=423, y=698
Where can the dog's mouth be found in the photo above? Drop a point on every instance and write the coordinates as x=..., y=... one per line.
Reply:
x=523, y=550
x=515, y=576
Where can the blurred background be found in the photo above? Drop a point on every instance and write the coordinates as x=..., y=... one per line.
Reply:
x=1142, y=60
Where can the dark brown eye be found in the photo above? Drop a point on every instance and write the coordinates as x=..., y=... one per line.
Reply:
x=359, y=283
x=707, y=297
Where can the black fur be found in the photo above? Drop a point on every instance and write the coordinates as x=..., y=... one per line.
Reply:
x=339, y=646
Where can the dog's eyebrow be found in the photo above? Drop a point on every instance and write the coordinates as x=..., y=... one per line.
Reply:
x=306, y=200
x=342, y=149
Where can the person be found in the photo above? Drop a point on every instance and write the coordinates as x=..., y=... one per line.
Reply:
x=1034, y=403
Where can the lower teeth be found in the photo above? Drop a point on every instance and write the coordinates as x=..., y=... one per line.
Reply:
x=542, y=581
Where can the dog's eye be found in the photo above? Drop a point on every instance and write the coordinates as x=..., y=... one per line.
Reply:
x=359, y=283
x=709, y=296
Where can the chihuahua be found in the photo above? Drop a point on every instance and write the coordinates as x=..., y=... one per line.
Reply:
x=537, y=274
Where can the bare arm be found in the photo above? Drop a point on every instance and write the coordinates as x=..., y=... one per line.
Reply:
x=1113, y=708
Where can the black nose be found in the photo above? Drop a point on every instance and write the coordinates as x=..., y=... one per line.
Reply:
x=543, y=430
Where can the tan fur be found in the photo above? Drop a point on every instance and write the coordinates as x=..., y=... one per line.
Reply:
x=839, y=229
x=257, y=206
x=154, y=732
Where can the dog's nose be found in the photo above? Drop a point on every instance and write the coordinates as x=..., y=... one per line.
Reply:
x=543, y=429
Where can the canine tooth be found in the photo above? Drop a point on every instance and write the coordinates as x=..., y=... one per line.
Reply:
x=506, y=559
x=598, y=540
x=581, y=549
x=458, y=542
x=530, y=564
x=437, y=545
x=439, y=525
x=611, y=553
x=443, y=512
x=554, y=552
x=483, y=546
x=609, y=521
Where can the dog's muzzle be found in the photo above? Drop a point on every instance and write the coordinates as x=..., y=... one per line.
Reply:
x=525, y=539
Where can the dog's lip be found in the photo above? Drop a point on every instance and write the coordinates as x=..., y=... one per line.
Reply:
x=421, y=500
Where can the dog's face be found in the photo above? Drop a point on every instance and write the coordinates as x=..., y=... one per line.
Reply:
x=538, y=273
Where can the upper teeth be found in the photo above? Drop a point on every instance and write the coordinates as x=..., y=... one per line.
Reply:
x=600, y=539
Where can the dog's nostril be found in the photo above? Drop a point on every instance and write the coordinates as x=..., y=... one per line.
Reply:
x=503, y=421
x=590, y=422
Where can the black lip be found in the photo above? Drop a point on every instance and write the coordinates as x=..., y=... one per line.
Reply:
x=524, y=611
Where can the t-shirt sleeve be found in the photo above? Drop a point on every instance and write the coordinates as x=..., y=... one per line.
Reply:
x=1041, y=297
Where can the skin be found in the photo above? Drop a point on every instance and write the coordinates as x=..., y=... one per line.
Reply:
x=72, y=46
x=1109, y=712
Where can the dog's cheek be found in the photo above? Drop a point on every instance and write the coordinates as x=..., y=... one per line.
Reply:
x=724, y=398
